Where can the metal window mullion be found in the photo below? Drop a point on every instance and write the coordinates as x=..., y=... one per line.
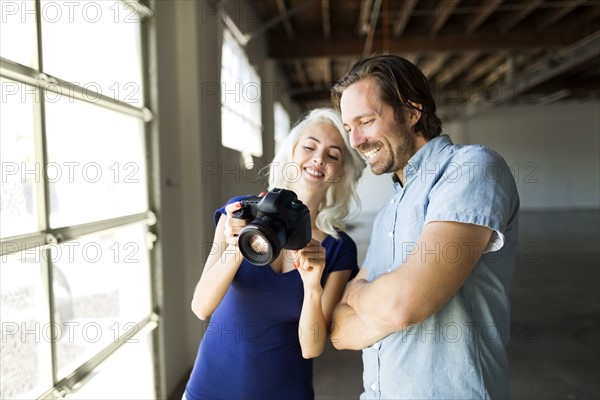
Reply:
x=72, y=232
x=67, y=384
x=140, y=8
x=152, y=143
x=48, y=279
x=60, y=87
x=16, y=244
x=17, y=72
x=46, y=83
x=43, y=193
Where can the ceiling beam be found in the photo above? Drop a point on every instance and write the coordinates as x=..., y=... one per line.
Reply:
x=505, y=70
x=485, y=67
x=326, y=18
x=536, y=74
x=441, y=14
x=287, y=25
x=459, y=66
x=372, y=28
x=434, y=64
x=405, y=13
x=524, y=9
x=554, y=97
x=264, y=27
x=307, y=47
x=557, y=14
x=540, y=72
x=483, y=13
x=327, y=76
x=363, y=18
x=386, y=26
x=300, y=73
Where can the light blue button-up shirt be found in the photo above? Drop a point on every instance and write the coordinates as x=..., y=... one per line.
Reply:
x=460, y=351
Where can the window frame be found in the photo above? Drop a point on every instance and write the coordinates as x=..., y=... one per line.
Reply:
x=45, y=236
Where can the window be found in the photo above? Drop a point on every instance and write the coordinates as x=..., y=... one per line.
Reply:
x=282, y=124
x=241, y=122
x=76, y=227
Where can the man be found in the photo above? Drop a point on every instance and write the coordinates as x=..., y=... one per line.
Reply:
x=430, y=307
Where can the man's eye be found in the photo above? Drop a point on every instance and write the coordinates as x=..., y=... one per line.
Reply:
x=308, y=148
x=367, y=122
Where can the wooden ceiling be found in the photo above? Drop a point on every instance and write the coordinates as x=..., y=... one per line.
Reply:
x=476, y=53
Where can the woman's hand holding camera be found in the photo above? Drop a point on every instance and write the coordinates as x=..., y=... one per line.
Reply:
x=233, y=225
x=310, y=262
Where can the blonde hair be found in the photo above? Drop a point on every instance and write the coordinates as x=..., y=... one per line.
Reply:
x=334, y=209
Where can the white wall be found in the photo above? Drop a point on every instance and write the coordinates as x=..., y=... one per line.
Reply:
x=553, y=150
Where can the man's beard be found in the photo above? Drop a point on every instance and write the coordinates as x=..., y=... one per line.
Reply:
x=397, y=158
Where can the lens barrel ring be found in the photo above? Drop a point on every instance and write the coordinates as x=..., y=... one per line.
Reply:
x=261, y=241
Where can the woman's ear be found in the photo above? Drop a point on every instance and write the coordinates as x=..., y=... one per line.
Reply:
x=414, y=113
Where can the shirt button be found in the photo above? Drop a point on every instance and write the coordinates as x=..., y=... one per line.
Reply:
x=389, y=270
x=377, y=345
x=373, y=386
x=391, y=234
x=393, y=200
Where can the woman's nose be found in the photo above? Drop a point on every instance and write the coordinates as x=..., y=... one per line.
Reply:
x=319, y=156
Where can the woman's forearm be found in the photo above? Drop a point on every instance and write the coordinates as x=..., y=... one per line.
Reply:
x=312, y=328
x=215, y=281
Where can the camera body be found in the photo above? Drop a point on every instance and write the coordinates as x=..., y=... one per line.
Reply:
x=279, y=220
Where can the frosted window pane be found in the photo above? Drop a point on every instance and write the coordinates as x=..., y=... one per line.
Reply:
x=18, y=32
x=25, y=363
x=20, y=169
x=95, y=44
x=96, y=163
x=127, y=374
x=106, y=278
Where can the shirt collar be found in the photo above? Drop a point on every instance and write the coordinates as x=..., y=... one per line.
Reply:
x=431, y=148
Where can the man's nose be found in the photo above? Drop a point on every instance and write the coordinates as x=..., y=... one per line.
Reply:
x=356, y=138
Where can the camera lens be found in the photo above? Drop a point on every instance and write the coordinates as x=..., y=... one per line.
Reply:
x=261, y=241
x=258, y=244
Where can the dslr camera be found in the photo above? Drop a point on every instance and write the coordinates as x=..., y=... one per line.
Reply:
x=279, y=220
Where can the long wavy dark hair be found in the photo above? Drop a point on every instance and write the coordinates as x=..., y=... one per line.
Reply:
x=400, y=84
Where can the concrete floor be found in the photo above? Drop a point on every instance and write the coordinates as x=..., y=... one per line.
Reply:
x=554, y=350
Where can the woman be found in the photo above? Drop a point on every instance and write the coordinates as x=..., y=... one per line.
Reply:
x=268, y=322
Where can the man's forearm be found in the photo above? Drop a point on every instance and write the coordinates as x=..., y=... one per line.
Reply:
x=368, y=301
x=350, y=332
